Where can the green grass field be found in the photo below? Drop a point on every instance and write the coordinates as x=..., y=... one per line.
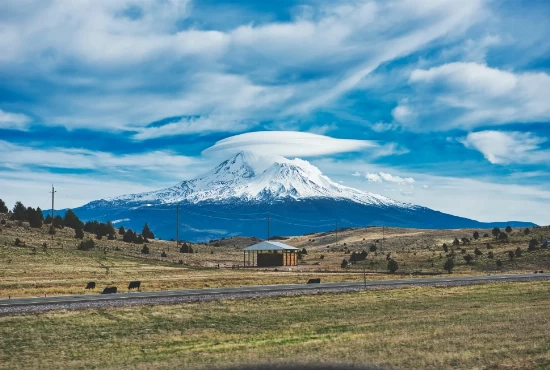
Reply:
x=493, y=326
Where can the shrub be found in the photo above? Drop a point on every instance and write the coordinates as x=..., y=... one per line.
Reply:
x=508, y=229
x=477, y=252
x=485, y=235
x=145, y=250
x=445, y=248
x=495, y=232
x=163, y=254
x=393, y=266
x=18, y=242
x=456, y=242
x=503, y=236
x=518, y=252
x=2, y=222
x=511, y=255
x=322, y=257
x=304, y=251
x=490, y=255
x=476, y=235
x=489, y=246
x=499, y=264
x=526, y=231
x=344, y=263
x=468, y=258
x=463, y=251
x=372, y=248
x=449, y=265
x=86, y=245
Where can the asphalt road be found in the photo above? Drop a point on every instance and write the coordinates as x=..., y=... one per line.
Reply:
x=264, y=288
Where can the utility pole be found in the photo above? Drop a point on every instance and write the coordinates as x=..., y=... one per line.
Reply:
x=268, y=227
x=177, y=228
x=53, y=196
x=365, y=275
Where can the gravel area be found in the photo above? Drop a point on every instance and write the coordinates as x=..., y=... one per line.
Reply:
x=41, y=308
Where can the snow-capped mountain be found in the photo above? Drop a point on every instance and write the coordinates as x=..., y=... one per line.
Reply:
x=249, y=177
x=237, y=196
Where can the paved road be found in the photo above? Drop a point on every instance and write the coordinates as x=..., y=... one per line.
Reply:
x=264, y=288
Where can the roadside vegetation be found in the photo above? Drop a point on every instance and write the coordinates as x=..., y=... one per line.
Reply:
x=493, y=326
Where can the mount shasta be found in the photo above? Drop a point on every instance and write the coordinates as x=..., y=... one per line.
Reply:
x=239, y=195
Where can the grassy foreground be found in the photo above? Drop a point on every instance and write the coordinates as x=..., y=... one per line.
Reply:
x=491, y=326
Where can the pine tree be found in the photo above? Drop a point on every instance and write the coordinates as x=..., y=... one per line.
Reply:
x=58, y=222
x=393, y=266
x=34, y=217
x=3, y=208
x=128, y=236
x=48, y=220
x=449, y=265
x=71, y=220
x=147, y=233
x=121, y=230
x=19, y=212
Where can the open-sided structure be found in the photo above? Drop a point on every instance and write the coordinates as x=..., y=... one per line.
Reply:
x=268, y=253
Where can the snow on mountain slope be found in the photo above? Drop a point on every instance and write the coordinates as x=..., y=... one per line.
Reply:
x=250, y=177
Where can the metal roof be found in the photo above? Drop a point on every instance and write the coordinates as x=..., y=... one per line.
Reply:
x=270, y=246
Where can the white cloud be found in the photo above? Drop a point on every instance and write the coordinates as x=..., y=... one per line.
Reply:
x=14, y=121
x=16, y=156
x=288, y=143
x=387, y=177
x=356, y=174
x=508, y=147
x=130, y=71
x=467, y=95
x=383, y=126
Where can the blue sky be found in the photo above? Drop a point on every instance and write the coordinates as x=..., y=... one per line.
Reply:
x=438, y=103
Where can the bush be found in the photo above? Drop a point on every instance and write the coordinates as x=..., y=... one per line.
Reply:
x=344, y=263
x=526, y=231
x=485, y=235
x=456, y=242
x=489, y=246
x=508, y=229
x=468, y=258
x=518, y=252
x=476, y=235
x=304, y=251
x=163, y=254
x=449, y=265
x=145, y=250
x=86, y=245
x=322, y=257
x=495, y=232
x=18, y=242
x=445, y=248
x=477, y=252
x=393, y=266
x=499, y=264
x=490, y=255
x=511, y=255
x=503, y=236
x=372, y=248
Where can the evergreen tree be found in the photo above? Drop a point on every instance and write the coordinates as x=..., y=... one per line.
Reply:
x=139, y=239
x=3, y=208
x=344, y=264
x=533, y=244
x=35, y=217
x=48, y=220
x=79, y=233
x=19, y=212
x=508, y=229
x=58, y=222
x=121, y=230
x=71, y=220
x=128, y=236
x=449, y=265
x=393, y=266
x=146, y=232
x=495, y=232
x=499, y=264
x=476, y=235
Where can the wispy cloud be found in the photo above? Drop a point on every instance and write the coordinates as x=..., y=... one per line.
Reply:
x=500, y=147
x=468, y=95
x=387, y=177
x=14, y=121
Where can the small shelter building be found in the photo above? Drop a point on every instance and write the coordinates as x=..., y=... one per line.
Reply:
x=269, y=253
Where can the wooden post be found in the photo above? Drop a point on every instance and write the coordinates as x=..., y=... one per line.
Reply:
x=244, y=258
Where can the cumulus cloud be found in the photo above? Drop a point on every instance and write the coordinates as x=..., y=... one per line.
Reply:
x=467, y=95
x=500, y=147
x=288, y=143
x=14, y=121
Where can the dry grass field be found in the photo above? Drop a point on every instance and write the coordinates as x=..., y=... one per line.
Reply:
x=494, y=326
x=59, y=268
